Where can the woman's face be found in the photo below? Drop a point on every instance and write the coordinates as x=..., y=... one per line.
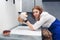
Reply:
x=36, y=13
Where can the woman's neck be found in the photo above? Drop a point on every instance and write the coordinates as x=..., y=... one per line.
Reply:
x=36, y=19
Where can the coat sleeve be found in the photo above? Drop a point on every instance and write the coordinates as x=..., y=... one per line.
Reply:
x=42, y=20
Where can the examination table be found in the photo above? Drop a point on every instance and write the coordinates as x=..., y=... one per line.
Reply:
x=22, y=33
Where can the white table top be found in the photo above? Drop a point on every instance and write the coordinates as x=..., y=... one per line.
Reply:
x=24, y=30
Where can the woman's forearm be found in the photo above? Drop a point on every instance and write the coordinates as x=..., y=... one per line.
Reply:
x=30, y=25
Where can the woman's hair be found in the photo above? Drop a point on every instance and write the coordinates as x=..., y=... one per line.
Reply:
x=40, y=10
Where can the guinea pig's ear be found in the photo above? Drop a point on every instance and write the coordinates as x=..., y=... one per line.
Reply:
x=19, y=12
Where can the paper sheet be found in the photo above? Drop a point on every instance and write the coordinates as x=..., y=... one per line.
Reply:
x=24, y=30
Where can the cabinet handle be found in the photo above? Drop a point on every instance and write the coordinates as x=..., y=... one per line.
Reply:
x=6, y=0
x=13, y=1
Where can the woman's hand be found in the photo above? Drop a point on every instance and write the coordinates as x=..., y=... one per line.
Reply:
x=30, y=25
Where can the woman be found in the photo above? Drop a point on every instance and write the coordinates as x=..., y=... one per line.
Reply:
x=45, y=19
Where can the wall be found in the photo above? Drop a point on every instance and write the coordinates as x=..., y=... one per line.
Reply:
x=51, y=0
x=53, y=8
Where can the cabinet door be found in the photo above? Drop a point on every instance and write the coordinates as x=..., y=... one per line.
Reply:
x=8, y=16
x=27, y=5
x=39, y=3
x=18, y=4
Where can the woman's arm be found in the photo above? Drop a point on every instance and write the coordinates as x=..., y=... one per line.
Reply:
x=30, y=25
x=39, y=23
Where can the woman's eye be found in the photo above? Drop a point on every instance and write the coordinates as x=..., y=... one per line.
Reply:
x=35, y=12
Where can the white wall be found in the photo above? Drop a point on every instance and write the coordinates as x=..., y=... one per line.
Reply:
x=8, y=15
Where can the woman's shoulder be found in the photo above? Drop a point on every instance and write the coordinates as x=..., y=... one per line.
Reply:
x=44, y=13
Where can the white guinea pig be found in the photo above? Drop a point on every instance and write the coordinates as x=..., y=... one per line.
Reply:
x=23, y=16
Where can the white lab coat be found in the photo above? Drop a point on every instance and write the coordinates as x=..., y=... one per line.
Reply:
x=46, y=20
